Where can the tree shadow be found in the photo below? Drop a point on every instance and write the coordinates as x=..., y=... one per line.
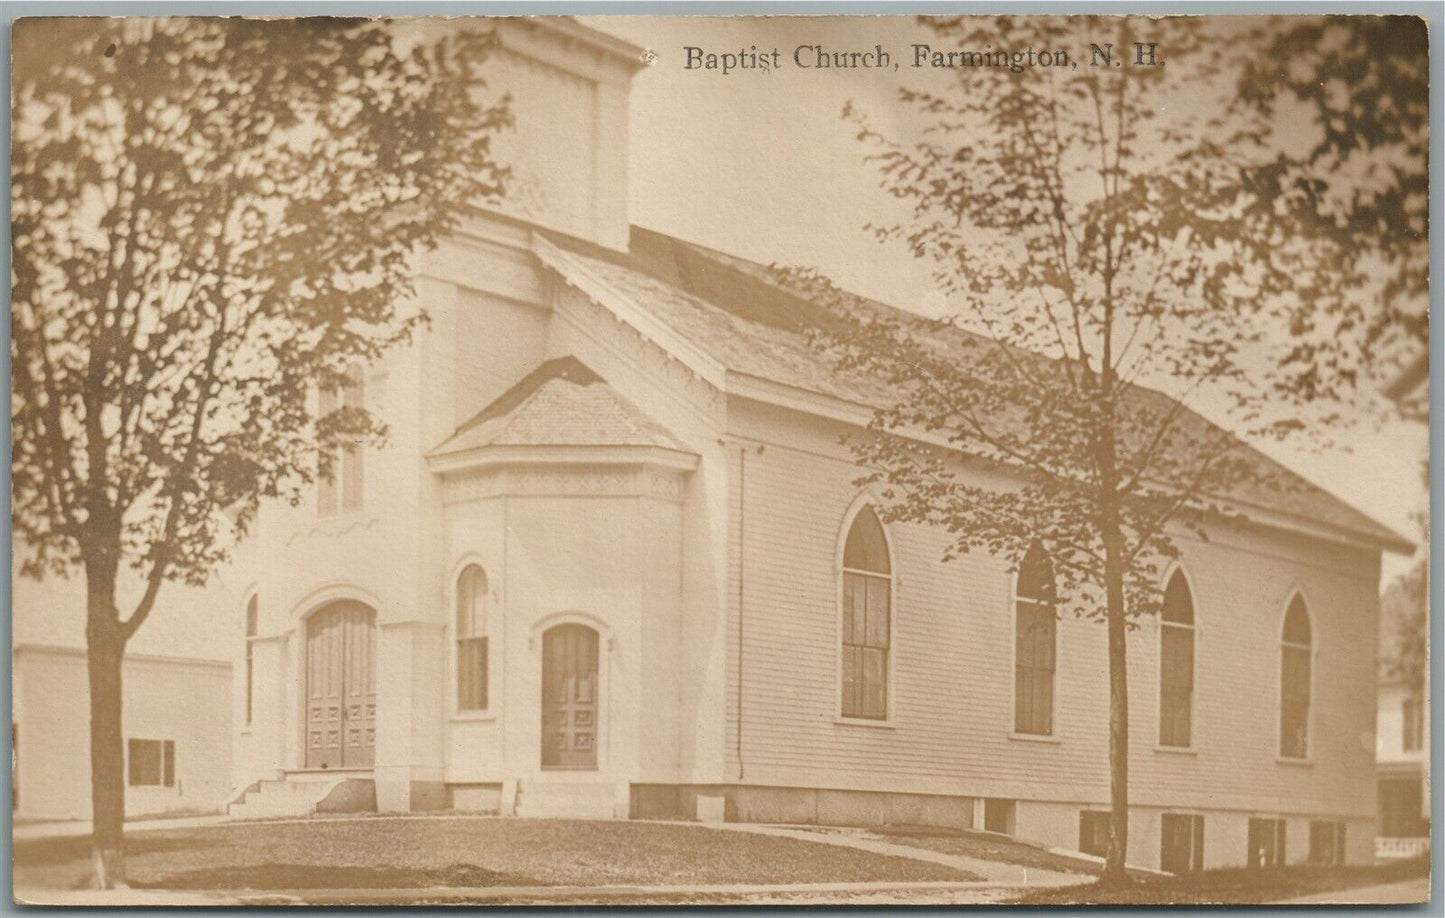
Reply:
x=48, y=852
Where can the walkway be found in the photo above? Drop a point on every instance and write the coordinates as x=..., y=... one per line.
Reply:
x=994, y=873
x=1406, y=892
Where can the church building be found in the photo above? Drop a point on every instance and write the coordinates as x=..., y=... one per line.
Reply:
x=613, y=563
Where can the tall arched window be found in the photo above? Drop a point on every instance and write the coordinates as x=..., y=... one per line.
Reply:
x=1294, y=681
x=1034, y=644
x=472, y=639
x=252, y=614
x=1176, y=663
x=867, y=592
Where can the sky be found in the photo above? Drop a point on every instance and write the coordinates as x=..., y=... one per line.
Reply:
x=763, y=165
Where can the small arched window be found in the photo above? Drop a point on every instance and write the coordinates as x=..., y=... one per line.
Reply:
x=1294, y=681
x=253, y=611
x=472, y=639
x=867, y=594
x=1034, y=644
x=1176, y=663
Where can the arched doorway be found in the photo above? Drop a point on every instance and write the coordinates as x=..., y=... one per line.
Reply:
x=341, y=686
x=569, y=697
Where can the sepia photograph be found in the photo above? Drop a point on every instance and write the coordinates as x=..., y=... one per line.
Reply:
x=672, y=460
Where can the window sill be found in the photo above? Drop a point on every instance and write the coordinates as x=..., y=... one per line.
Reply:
x=468, y=717
x=1176, y=750
x=865, y=722
x=1047, y=738
x=1306, y=762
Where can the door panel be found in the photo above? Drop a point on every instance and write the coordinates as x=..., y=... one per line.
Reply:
x=569, y=697
x=341, y=687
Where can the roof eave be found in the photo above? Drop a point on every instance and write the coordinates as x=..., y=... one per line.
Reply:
x=495, y=456
x=837, y=409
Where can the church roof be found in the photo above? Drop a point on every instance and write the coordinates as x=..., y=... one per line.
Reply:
x=561, y=403
x=729, y=309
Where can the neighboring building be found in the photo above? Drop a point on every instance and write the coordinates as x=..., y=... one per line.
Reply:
x=1402, y=750
x=613, y=562
x=176, y=714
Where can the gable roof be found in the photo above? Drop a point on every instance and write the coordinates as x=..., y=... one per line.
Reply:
x=561, y=403
x=728, y=309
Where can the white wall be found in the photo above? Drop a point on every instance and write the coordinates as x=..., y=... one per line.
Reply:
x=164, y=698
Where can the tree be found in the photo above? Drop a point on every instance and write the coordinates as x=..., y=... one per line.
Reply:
x=210, y=217
x=1361, y=172
x=1117, y=258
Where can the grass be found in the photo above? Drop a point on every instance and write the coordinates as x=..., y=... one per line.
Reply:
x=416, y=853
x=986, y=846
x=1234, y=886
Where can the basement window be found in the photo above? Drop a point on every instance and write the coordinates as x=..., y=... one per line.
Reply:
x=152, y=763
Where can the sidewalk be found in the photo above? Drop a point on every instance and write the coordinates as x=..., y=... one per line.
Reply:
x=1403, y=893
x=78, y=827
x=994, y=873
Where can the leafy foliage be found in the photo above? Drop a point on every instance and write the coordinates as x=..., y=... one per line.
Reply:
x=211, y=217
x=1120, y=242
x=1361, y=177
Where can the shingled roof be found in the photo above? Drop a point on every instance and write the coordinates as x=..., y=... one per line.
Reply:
x=729, y=309
x=561, y=403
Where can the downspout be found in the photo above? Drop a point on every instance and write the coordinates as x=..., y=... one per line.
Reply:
x=742, y=568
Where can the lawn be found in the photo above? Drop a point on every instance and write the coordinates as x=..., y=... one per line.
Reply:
x=454, y=852
x=1234, y=886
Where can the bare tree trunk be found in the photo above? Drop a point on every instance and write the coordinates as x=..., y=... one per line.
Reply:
x=1113, y=539
x=105, y=649
x=1118, y=726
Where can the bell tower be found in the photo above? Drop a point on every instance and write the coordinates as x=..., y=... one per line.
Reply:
x=569, y=87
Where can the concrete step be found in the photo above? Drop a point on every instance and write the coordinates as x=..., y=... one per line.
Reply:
x=547, y=800
x=272, y=799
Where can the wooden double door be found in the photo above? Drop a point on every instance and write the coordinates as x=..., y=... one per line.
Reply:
x=569, y=697
x=341, y=687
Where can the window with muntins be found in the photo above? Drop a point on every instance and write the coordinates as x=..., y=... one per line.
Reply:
x=1176, y=664
x=472, y=639
x=1294, y=681
x=867, y=595
x=343, y=491
x=152, y=763
x=1035, y=643
x=252, y=614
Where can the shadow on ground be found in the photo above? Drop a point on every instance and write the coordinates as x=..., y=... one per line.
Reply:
x=312, y=876
x=44, y=852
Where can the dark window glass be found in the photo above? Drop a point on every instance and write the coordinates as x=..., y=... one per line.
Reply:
x=866, y=618
x=1094, y=832
x=1327, y=842
x=1266, y=843
x=1176, y=664
x=152, y=763
x=866, y=548
x=1182, y=843
x=1035, y=643
x=1294, y=682
x=472, y=639
x=1412, y=724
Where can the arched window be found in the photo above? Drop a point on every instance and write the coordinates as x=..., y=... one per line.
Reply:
x=472, y=639
x=867, y=592
x=1294, y=681
x=1034, y=644
x=252, y=614
x=1176, y=663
